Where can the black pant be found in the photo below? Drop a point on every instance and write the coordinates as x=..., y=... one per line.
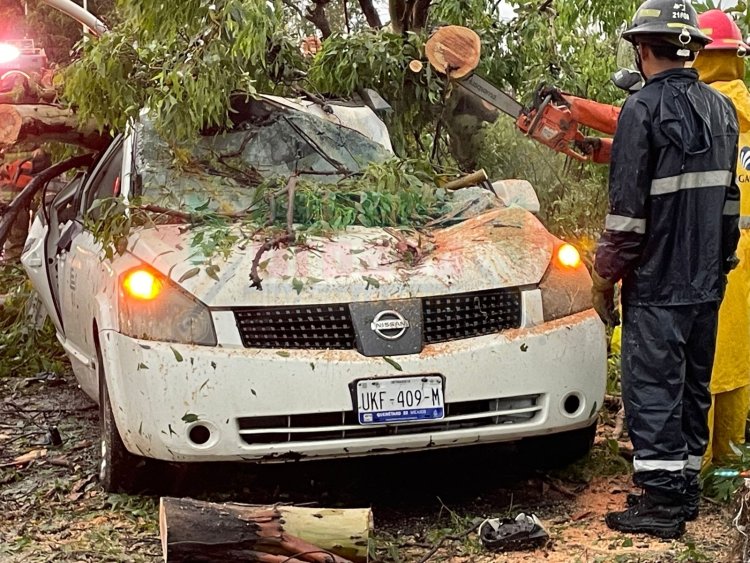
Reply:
x=667, y=357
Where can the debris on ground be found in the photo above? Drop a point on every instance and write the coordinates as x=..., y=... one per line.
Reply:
x=525, y=531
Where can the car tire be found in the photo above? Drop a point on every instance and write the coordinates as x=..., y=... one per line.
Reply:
x=558, y=450
x=119, y=470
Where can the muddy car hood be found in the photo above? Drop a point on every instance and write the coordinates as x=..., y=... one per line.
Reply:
x=501, y=248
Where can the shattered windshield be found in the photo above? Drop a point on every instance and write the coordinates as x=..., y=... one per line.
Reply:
x=223, y=171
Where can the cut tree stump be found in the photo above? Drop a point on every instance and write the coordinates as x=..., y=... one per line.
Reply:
x=193, y=531
x=35, y=124
x=454, y=50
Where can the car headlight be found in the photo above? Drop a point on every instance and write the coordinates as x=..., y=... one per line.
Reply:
x=153, y=308
x=566, y=286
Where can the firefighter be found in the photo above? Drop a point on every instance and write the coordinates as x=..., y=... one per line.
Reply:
x=670, y=236
x=722, y=67
x=14, y=176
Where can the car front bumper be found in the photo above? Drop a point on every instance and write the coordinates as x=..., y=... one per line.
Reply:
x=266, y=405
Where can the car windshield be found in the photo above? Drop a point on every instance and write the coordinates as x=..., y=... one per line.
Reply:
x=222, y=171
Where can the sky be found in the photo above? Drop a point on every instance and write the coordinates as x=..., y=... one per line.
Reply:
x=506, y=12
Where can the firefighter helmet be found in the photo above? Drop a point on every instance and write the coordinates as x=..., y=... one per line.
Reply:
x=724, y=32
x=667, y=22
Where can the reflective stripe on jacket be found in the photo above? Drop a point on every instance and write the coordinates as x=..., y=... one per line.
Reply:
x=674, y=202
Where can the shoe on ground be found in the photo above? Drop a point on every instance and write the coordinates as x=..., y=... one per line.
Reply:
x=650, y=517
x=690, y=510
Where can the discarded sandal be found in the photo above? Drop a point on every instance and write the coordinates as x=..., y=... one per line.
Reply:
x=523, y=532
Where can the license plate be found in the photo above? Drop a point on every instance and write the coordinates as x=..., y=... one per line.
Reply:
x=400, y=399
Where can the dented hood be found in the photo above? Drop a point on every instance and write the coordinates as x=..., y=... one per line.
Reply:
x=505, y=247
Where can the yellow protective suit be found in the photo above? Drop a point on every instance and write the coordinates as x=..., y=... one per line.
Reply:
x=730, y=380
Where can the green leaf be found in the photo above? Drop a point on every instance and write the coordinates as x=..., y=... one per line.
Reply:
x=371, y=282
x=298, y=285
x=177, y=355
x=282, y=353
x=393, y=362
x=142, y=366
x=192, y=272
x=190, y=417
x=212, y=272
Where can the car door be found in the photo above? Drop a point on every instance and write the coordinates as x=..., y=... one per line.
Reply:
x=50, y=250
x=39, y=263
x=82, y=272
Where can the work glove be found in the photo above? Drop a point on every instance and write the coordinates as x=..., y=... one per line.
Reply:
x=731, y=263
x=588, y=145
x=603, y=298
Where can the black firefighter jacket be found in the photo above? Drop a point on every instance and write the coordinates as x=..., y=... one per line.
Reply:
x=672, y=226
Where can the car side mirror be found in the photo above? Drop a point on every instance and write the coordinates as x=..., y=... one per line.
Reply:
x=519, y=193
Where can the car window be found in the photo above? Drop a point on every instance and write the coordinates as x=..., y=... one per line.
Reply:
x=105, y=182
x=221, y=172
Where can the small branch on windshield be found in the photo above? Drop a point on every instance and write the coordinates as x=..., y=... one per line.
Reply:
x=255, y=281
x=291, y=186
x=187, y=217
x=346, y=174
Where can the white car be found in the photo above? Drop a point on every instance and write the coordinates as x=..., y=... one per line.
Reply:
x=344, y=351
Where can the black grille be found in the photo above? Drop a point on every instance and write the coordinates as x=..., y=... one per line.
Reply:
x=342, y=425
x=454, y=317
x=329, y=327
x=315, y=327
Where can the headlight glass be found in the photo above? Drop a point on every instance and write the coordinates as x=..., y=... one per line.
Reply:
x=566, y=288
x=151, y=307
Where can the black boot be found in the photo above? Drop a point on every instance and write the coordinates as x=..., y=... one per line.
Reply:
x=692, y=495
x=653, y=514
x=689, y=510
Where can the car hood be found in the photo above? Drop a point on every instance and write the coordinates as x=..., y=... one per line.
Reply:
x=505, y=247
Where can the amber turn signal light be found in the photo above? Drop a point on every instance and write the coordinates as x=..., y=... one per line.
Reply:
x=568, y=256
x=142, y=284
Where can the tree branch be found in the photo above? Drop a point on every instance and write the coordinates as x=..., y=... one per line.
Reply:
x=316, y=14
x=371, y=14
x=39, y=181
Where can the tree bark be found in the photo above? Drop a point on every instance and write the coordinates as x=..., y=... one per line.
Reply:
x=194, y=530
x=27, y=194
x=408, y=15
x=316, y=14
x=371, y=14
x=35, y=124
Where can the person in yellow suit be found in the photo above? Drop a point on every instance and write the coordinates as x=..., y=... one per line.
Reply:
x=721, y=66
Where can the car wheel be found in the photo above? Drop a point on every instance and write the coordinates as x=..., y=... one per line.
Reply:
x=119, y=470
x=558, y=450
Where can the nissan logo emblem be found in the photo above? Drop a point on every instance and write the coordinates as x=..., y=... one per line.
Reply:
x=389, y=325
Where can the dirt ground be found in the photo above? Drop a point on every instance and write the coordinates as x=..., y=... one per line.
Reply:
x=53, y=509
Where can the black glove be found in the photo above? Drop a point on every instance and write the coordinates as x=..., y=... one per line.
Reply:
x=588, y=145
x=731, y=263
x=603, y=298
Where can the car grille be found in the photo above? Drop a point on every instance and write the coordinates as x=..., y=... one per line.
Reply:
x=324, y=327
x=453, y=317
x=343, y=425
x=321, y=327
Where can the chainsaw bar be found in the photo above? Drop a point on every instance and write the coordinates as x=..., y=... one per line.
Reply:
x=492, y=95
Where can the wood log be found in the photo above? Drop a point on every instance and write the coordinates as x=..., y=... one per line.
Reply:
x=27, y=194
x=41, y=123
x=473, y=179
x=454, y=50
x=193, y=530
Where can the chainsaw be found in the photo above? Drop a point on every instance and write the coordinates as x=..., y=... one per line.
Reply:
x=548, y=121
x=454, y=51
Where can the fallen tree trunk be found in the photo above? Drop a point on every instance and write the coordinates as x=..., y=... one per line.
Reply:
x=23, y=199
x=193, y=530
x=40, y=123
